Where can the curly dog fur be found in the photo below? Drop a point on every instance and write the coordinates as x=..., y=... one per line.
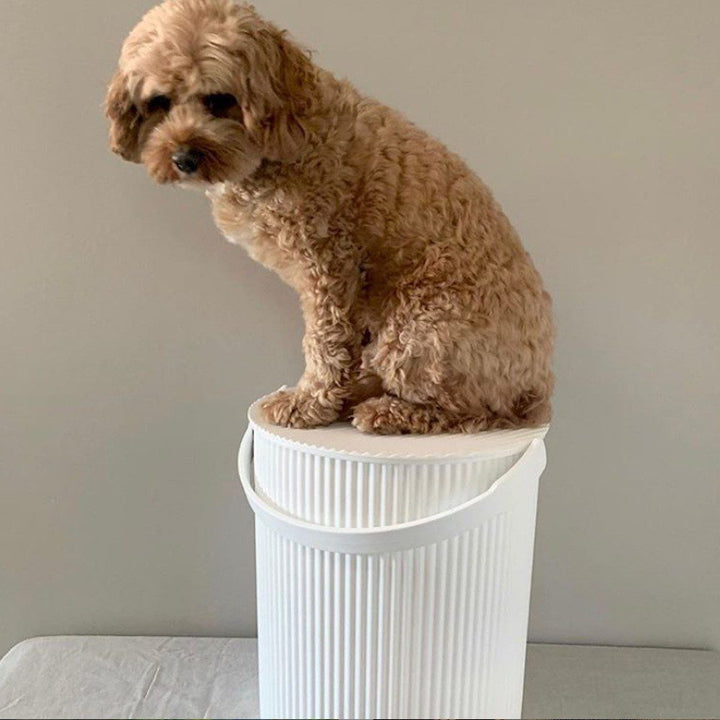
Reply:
x=423, y=312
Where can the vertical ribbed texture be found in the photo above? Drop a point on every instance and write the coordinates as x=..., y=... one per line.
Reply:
x=408, y=634
x=367, y=493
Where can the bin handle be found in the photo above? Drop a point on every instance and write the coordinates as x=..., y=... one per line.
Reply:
x=402, y=536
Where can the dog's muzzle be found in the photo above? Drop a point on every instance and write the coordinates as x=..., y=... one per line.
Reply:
x=187, y=160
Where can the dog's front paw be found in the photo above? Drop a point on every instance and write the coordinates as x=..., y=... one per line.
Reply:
x=298, y=409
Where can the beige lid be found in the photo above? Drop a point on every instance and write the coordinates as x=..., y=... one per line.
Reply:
x=344, y=439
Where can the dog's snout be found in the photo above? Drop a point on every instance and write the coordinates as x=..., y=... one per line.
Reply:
x=187, y=160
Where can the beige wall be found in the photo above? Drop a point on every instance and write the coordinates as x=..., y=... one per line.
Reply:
x=133, y=337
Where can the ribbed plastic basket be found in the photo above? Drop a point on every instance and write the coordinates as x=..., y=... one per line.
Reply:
x=393, y=572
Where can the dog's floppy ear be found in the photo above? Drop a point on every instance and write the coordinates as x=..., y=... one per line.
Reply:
x=282, y=94
x=125, y=119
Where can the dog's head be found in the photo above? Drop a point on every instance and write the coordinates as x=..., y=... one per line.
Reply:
x=206, y=90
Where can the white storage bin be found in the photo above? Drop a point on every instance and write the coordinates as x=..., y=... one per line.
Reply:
x=393, y=572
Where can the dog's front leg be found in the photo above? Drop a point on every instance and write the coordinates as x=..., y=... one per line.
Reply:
x=331, y=345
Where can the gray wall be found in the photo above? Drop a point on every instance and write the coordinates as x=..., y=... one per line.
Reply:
x=134, y=337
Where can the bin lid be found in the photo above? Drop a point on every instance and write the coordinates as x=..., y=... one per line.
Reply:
x=343, y=439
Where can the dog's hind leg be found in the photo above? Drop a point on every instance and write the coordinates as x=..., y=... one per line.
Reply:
x=391, y=415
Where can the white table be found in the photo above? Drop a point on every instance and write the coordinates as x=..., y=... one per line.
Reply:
x=146, y=677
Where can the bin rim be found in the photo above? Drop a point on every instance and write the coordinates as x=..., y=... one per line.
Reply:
x=519, y=479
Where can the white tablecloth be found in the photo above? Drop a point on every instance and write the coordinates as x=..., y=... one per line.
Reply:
x=129, y=677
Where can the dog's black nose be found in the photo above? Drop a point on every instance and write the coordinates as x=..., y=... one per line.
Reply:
x=187, y=160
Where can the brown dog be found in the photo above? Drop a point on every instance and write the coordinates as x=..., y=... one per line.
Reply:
x=423, y=312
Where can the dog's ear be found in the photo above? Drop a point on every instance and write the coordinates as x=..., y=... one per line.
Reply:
x=282, y=94
x=125, y=119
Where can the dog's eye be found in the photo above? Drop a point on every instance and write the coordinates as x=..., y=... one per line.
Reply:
x=158, y=103
x=220, y=104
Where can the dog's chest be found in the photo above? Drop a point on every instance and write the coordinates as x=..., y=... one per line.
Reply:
x=233, y=216
x=240, y=230
x=244, y=223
